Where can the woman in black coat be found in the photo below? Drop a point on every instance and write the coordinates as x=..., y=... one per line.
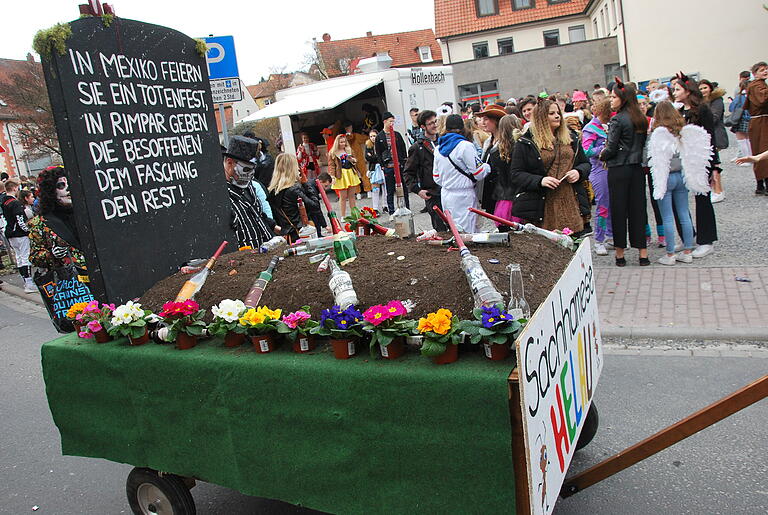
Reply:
x=623, y=153
x=284, y=192
x=547, y=171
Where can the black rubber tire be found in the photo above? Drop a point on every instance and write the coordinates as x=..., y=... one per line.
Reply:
x=589, y=430
x=173, y=487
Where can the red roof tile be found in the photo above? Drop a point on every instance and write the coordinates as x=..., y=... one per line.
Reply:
x=456, y=17
x=403, y=48
x=276, y=82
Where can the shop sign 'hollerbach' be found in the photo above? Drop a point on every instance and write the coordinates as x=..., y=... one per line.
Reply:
x=422, y=78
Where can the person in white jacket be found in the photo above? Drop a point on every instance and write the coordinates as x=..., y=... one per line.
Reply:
x=678, y=156
x=456, y=170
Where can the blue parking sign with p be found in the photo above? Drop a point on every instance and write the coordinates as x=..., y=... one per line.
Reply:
x=221, y=57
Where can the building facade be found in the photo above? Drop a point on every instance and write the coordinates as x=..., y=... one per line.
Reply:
x=648, y=42
x=407, y=49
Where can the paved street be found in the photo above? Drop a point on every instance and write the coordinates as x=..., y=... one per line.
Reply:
x=721, y=470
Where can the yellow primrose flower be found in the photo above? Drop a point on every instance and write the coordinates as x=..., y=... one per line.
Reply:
x=424, y=325
x=76, y=309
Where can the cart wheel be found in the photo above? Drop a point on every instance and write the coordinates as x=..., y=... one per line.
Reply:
x=590, y=427
x=152, y=494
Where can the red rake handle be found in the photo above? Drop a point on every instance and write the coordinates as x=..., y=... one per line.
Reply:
x=322, y=194
x=495, y=218
x=395, y=160
x=452, y=225
x=219, y=250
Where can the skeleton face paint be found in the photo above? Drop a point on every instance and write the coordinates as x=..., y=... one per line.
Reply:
x=243, y=175
x=62, y=192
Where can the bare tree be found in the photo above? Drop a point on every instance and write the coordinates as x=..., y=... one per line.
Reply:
x=25, y=94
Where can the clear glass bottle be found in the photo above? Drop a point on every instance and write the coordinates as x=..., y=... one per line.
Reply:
x=341, y=286
x=272, y=244
x=403, y=217
x=518, y=307
x=483, y=291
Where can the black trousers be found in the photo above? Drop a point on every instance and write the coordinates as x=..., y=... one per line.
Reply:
x=706, y=224
x=654, y=203
x=437, y=222
x=389, y=180
x=626, y=187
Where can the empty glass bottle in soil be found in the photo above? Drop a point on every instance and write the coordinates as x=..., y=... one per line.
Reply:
x=341, y=286
x=344, y=248
x=483, y=291
x=518, y=307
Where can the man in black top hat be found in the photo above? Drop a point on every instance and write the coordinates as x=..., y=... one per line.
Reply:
x=252, y=227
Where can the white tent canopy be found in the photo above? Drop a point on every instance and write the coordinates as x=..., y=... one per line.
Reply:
x=313, y=99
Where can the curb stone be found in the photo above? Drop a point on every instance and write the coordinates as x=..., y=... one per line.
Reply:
x=687, y=333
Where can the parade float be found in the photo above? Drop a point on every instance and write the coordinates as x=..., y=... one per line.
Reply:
x=353, y=373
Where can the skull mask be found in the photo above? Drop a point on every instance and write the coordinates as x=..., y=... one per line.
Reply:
x=62, y=192
x=243, y=175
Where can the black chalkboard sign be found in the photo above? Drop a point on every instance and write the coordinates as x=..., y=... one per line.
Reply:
x=135, y=121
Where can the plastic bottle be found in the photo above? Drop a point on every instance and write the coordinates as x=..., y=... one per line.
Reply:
x=272, y=244
x=486, y=237
x=483, y=291
x=341, y=286
x=518, y=307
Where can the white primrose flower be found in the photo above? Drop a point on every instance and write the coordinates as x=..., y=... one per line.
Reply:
x=228, y=310
x=127, y=313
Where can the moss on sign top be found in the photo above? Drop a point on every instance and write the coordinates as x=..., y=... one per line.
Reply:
x=54, y=38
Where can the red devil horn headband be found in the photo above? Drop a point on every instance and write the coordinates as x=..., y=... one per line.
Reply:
x=619, y=83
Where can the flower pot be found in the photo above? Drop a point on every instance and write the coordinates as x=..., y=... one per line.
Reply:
x=141, y=340
x=496, y=352
x=185, y=341
x=450, y=355
x=263, y=343
x=343, y=349
x=232, y=339
x=304, y=343
x=394, y=350
x=78, y=327
x=102, y=336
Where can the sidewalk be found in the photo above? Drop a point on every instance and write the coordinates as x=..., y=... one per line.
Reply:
x=683, y=302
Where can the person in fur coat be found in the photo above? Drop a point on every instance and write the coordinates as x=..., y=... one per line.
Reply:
x=713, y=97
x=678, y=155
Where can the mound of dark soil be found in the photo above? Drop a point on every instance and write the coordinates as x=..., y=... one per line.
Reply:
x=429, y=276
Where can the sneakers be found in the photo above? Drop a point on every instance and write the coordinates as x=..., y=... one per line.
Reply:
x=718, y=197
x=703, y=250
x=662, y=242
x=684, y=258
x=600, y=249
x=29, y=286
x=667, y=260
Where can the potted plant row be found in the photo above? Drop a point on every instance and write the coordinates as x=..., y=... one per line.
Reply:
x=494, y=328
x=297, y=328
x=343, y=327
x=388, y=328
x=185, y=321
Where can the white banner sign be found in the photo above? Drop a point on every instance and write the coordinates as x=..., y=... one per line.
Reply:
x=225, y=91
x=560, y=357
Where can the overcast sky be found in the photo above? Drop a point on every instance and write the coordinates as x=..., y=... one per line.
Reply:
x=269, y=35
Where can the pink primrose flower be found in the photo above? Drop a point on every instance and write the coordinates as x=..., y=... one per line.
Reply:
x=295, y=319
x=92, y=307
x=85, y=334
x=567, y=231
x=375, y=315
x=396, y=308
x=94, y=326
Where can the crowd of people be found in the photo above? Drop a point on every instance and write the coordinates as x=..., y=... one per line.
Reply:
x=576, y=162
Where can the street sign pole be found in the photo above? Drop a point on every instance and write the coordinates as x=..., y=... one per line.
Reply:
x=223, y=125
x=224, y=77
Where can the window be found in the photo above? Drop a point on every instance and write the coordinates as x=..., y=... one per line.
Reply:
x=604, y=16
x=425, y=54
x=506, y=46
x=615, y=14
x=480, y=92
x=558, y=1
x=486, y=7
x=552, y=37
x=612, y=70
x=576, y=34
x=480, y=49
x=597, y=29
x=522, y=4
